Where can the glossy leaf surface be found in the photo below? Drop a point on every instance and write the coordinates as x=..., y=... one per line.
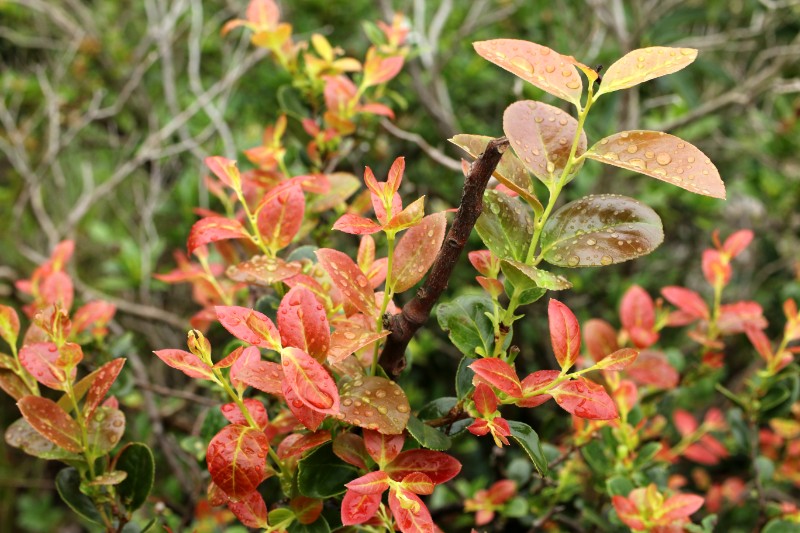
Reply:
x=542, y=137
x=645, y=64
x=105, y=430
x=416, y=251
x=349, y=279
x=358, y=508
x=410, y=514
x=565, y=334
x=323, y=475
x=600, y=230
x=213, y=229
x=186, y=362
x=52, y=422
x=536, y=64
x=313, y=384
x=68, y=484
x=21, y=434
x=236, y=459
x=499, y=374
x=137, y=460
x=263, y=270
x=505, y=225
x=525, y=277
x=303, y=323
x=41, y=359
x=585, y=399
x=251, y=510
x=104, y=379
x=467, y=325
x=438, y=466
x=280, y=217
x=249, y=325
x=528, y=439
x=374, y=402
x=427, y=436
x=661, y=156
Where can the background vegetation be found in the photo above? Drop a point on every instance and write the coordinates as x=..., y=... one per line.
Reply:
x=108, y=108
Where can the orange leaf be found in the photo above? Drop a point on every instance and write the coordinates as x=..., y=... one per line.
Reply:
x=309, y=379
x=417, y=250
x=645, y=64
x=52, y=422
x=585, y=399
x=236, y=460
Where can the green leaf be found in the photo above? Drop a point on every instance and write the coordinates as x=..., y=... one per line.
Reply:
x=525, y=277
x=505, y=225
x=600, y=230
x=437, y=408
x=619, y=486
x=68, y=484
x=320, y=525
x=21, y=435
x=323, y=475
x=646, y=454
x=780, y=526
x=427, y=436
x=137, y=460
x=465, y=321
x=529, y=440
x=595, y=456
x=464, y=376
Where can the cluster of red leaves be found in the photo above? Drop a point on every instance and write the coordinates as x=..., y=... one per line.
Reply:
x=697, y=443
x=487, y=502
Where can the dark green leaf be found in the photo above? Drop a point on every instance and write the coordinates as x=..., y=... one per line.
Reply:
x=600, y=230
x=68, y=484
x=437, y=408
x=465, y=321
x=505, y=225
x=320, y=525
x=464, y=376
x=595, y=456
x=137, y=460
x=780, y=526
x=529, y=440
x=619, y=486
x=322, y=475
x=427, y=436
x=646, y=454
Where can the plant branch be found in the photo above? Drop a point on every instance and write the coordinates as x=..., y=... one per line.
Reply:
x=416, y=312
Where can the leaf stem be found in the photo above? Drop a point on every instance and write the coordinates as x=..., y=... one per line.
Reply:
x=388, y=293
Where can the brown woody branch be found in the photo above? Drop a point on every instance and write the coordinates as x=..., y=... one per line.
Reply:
x=416, y=312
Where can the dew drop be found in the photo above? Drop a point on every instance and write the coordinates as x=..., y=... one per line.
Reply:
x=573, y=260
x=550, y=69
x=591, y=242
x=522, y=64
x=402, y=408
x=663, y=158
x=637, y=163
x=649, y=154
x=606, y=260
x=574, y=84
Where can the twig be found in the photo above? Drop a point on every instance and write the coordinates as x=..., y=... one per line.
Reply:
x=416, y=312
x=417, y=139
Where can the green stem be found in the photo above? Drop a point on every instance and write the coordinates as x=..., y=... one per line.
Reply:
x=213, y=280
x=387, y=297
x=253, y=219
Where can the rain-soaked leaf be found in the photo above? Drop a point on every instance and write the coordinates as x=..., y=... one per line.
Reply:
x=358, y=508
x=303, y=323
x=52, y=422
x=249, y=325
x=213, y=229
x=349, y=338
x=565, y=334
x=467, y=325
x=323, y=475
x=105, y=430
x=186, y=362
x=374, y=402
x=410, y=513
x=313, y=384
x=600, y=230
x=438, y=466
x=349, y=279
x=644, y=64
x=41, y=359
x=263, y=270
x=251, y=510
x=280, y=216
x=21, y=435
x=236, y=460
x=536, y=64
x=661, y=156
x=13, y=385
x=505, y=225
x=499, y=374
x=417, y=250
x=105, y=377
x=510, y=170
x=350, y=448
x=343, y=185
x=542, y=136
x=525, y=277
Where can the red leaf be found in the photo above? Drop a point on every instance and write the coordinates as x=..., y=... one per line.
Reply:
x=534, y=382
x=349, y=279
x=738, y=317
x=627, y=512
x=186, y=362
x=737, y=242
x=52, y=422
x=251, y=510
x=280, y=217
x=619, y=360
x=760, y=342
x=303, y=323
x=409, y=512
x=418, y=483
x=94, y=314
x=358, y=508
x=309, y=379
x=565, y=334
x=383, y=448
x=536, y=64
x=398, y=167
x=652, y=368
x=485, y=400
x=585, y=399
x=236, y=460
x=408, y=217
x=417, y=250
x=56, y=289
x=684, y=422
x=687, y=301
x=372, y=483
x=638, y=316
x=256, y=409
x=350, y=448
x=600, y=338
x=263, y=270
x=715, y=267
x=41, y=360
x=105, y=377
x=499, y=374
x=264, y=376
x=501, y=491
x=249, y=325
x=229, y=359
x=680, y=506
x=484, y=262
x=379, y=69
x=213, y=229
x=225, y=170
x=310, y=418
x=306, y=509
x=297, y=444
x=439, y=466
x=348, y=339
x=356, y=225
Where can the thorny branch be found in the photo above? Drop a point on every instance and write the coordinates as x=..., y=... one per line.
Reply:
x=416, y=312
